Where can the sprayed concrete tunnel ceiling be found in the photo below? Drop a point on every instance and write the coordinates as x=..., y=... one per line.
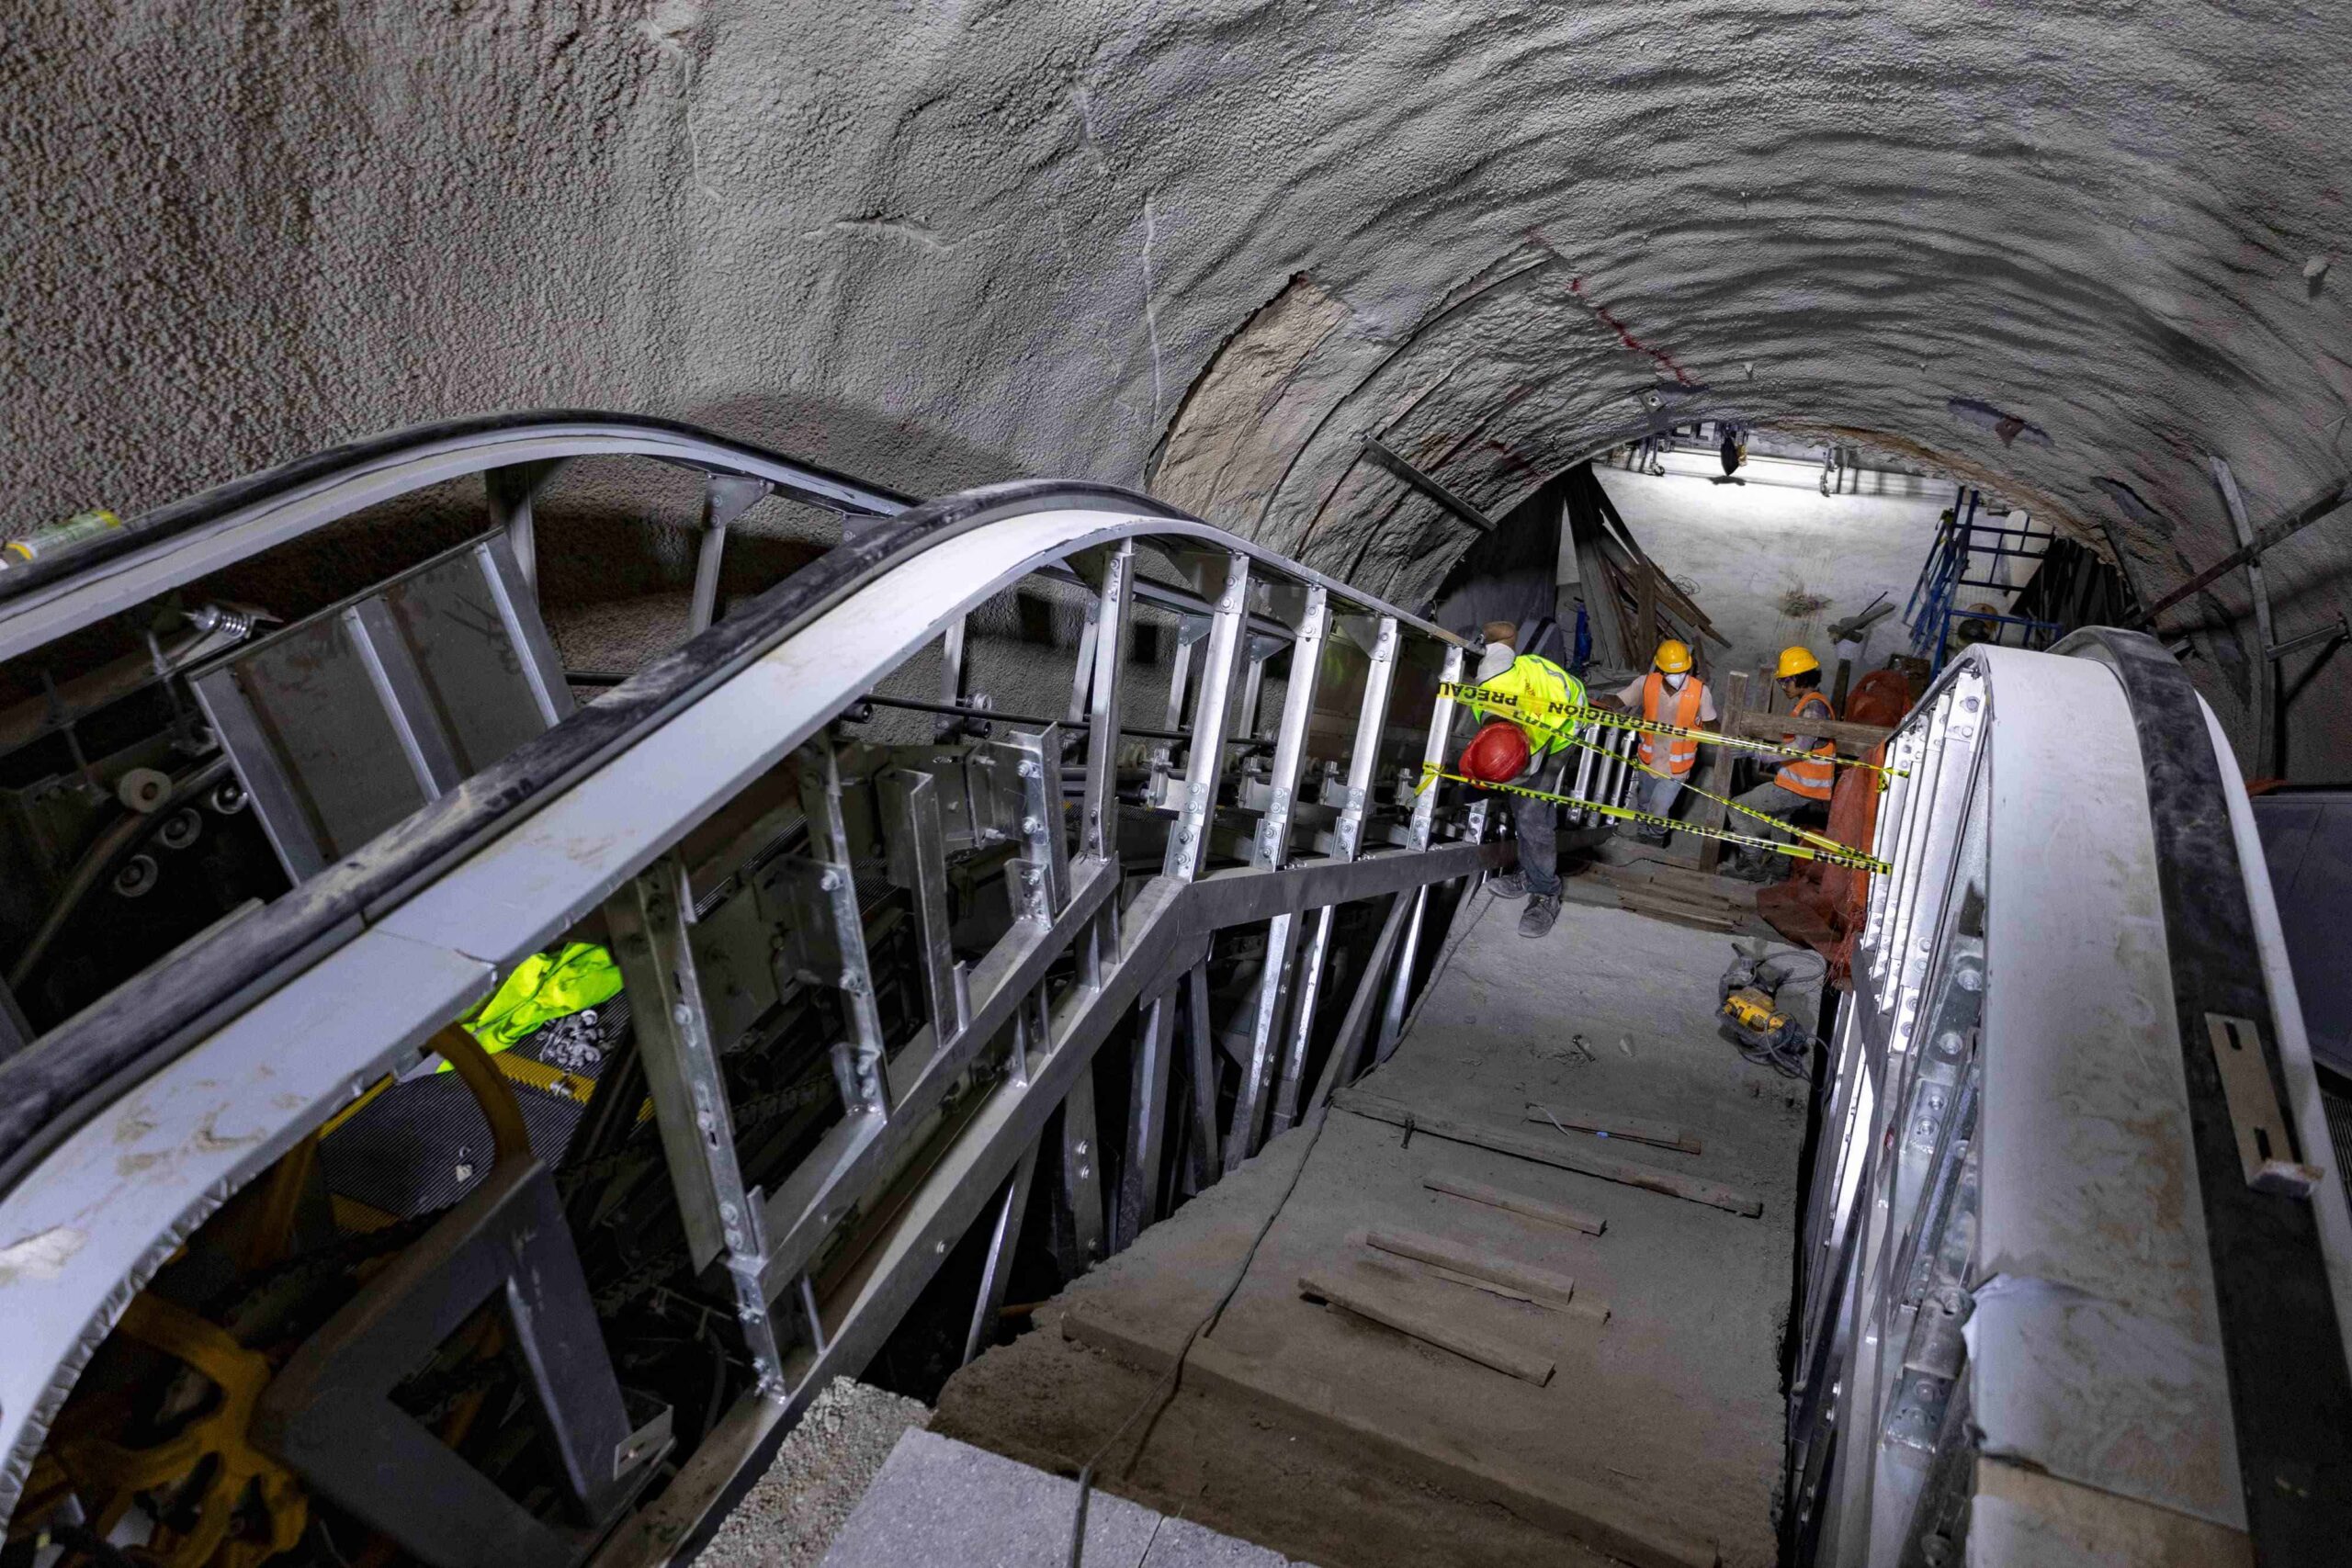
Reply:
x=2072, y=250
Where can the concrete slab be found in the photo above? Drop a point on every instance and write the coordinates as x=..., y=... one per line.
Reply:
x=1658, y=1438
x=948, y=1504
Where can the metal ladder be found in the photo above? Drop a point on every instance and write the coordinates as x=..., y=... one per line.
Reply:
x=1965, y=544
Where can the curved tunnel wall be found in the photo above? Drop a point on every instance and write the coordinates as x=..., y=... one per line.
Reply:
x=2074, y=248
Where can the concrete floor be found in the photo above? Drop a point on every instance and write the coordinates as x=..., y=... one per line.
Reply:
x=1331, y=1440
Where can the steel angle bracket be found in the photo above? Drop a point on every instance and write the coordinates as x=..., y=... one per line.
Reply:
x=329, y=1414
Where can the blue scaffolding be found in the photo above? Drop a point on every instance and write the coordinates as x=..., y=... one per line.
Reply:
x=1964, y=546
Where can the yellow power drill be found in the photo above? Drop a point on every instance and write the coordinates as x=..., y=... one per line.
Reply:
x=1751, y=1010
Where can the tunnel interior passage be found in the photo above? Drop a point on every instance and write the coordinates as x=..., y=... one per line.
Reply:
x=2075, y=252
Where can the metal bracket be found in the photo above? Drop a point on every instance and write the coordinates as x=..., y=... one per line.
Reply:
x=2266, y=1147
x=330, y=1416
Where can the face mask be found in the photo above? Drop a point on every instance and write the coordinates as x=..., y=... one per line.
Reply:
x=1674, y=683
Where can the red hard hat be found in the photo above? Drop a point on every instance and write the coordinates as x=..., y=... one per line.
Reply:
x=1496, y=754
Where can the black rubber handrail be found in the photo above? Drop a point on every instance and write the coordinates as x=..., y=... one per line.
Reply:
x=2291, y=1391
x=207, y=506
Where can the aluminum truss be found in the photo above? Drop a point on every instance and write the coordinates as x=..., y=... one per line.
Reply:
x=2013, y=1335
x=130, y=1124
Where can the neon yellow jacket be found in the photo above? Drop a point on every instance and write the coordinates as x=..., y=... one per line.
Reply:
x=1534, y=693
x=543, y=987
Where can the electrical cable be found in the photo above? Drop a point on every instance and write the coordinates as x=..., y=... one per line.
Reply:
x=1156, y=1401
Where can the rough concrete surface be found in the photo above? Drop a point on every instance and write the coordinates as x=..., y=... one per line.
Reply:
x=791, y=1515
x=2075, y=247
x=1664, y=1421
x=948, y=1504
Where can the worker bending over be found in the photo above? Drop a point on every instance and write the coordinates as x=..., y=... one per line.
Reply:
x=1802, y=782
x=1507, y=752
x=1671, y=695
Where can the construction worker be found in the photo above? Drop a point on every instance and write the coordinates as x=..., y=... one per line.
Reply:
x=1531, y=687
x=1671, y=695
x=1799, y=783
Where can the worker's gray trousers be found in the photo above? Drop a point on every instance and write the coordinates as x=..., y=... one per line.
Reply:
x=1658, y=794
x=1772, y=800
x=1538, y=822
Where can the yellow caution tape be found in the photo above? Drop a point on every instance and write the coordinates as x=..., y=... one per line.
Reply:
x=1551, y=715
x=1827, y=851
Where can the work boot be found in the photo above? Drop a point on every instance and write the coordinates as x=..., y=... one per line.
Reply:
x=1509, y=885
x=1540, y=911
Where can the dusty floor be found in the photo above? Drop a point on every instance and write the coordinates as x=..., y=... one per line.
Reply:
x=1336, y=1441
x=790, y=1517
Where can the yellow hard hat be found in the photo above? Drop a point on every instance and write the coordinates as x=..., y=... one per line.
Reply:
x=1795, y=661
x=1673, y=656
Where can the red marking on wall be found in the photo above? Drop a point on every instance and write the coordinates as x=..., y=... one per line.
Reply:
x=1575, y=286
x=1513, y=458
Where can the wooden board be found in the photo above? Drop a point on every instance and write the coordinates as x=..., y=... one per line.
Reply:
x=1853, y=738
x=1510, y=1141
x=1717, y=768
x=1369, y=1300
x=1541, y=1285
x=1514, y=1202
x=1654, y=876
x=1601, y=1516
x=1681, y=913
x=1631, y=1128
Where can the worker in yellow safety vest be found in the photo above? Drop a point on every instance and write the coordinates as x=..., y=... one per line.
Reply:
x=1801, y=782
x=1530, y=684
x=1669, y=694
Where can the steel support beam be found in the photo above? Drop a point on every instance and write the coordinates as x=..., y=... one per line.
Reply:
x=1187, y=843
x=996, y=1268
x=1268, y=1058
x=648, y=920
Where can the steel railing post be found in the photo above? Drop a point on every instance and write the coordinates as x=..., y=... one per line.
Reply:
x=1188, y=844
x=648, y=920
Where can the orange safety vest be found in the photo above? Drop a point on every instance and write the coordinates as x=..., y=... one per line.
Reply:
x=1679, y=752
x=1817, y=776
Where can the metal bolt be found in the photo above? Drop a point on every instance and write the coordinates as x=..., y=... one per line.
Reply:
x=729, y=1213
x=1970, y=978
x=1028, y=769
x=1031, y=826
x=680, y=1014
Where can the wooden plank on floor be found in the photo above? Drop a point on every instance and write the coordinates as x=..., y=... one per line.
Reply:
x=1630, y=1128
x=1683, y=914
x=1514, y=1202
x=1540, y=1285
x=1367, y=1300
x=1510, y=1141
x=1600, y=1517
x=1650, y=875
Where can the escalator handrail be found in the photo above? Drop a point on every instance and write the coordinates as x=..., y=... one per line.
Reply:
x=165, y=548
x=53, y=1087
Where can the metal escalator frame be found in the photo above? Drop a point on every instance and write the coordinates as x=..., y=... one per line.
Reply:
x=167, y=1100
x=2077, y=889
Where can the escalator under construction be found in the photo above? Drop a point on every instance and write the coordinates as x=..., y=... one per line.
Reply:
x=912, y=987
